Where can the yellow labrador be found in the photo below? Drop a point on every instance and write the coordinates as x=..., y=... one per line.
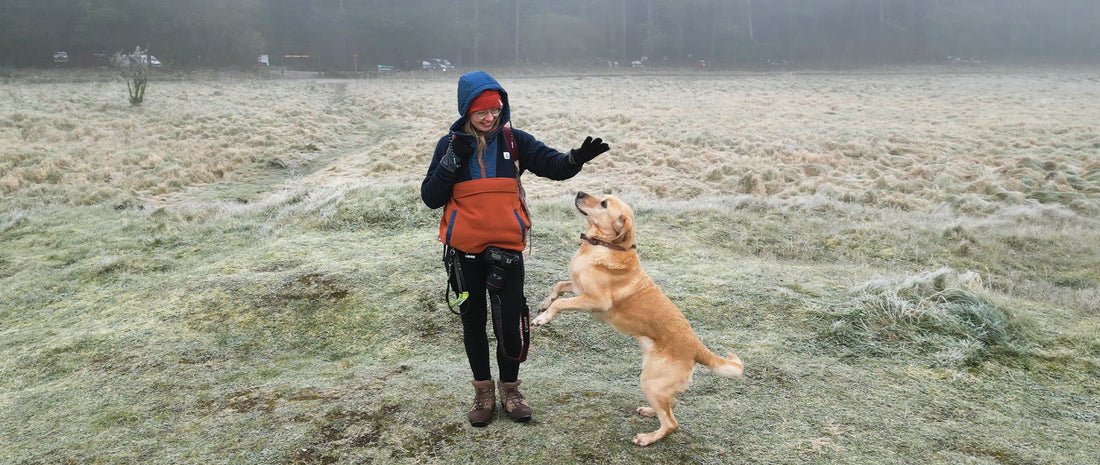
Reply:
x=609, y=283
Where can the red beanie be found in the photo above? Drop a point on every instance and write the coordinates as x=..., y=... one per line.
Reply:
x=485, y=100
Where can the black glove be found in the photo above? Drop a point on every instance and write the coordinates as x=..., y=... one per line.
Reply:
x=589, y=149
x=457, y=153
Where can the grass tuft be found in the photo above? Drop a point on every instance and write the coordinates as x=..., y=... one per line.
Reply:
x=942, y=316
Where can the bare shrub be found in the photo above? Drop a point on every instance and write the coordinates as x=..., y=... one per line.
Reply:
x=134, y=68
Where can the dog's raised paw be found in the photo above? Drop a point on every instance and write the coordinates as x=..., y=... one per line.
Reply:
x=541, y=320
x=545, y=304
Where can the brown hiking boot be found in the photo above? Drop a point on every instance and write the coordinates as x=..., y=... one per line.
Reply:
x=513, y=403
x=485, y=400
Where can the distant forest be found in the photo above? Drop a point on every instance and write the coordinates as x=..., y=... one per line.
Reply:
x=347, y=34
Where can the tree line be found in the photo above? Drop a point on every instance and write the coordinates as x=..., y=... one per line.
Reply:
x=347, y=34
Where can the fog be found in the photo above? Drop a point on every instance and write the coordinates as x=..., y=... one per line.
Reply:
x=356, y=35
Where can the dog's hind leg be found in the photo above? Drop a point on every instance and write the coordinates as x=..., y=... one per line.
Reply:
x=661, y=406
x=648, y=411
x=661, y=380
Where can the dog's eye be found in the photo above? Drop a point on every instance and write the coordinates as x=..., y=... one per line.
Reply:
x=603, y=204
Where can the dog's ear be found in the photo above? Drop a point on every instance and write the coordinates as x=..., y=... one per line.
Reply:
x=624, y=228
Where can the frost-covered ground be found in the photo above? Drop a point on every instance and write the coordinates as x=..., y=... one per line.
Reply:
x=912, y=139
x=240, y=270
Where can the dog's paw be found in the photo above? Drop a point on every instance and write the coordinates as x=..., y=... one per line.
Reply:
x=646, y=412
x=645, y=439
x=541, y=320
x=545, y=304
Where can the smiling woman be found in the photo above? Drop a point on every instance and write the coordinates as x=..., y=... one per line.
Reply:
x=474, y=174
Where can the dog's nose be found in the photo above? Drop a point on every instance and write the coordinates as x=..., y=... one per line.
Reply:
x=581, y=195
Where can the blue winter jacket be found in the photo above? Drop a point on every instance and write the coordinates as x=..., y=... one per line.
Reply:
x=495, y=223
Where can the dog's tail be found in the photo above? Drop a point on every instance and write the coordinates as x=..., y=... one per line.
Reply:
x=730, y=367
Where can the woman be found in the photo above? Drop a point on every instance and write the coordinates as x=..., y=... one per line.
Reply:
x=475, y=175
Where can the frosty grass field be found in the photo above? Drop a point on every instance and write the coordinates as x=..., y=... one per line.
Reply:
x=241, y=271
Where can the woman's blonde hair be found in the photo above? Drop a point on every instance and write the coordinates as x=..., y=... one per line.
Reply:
x=469, y=128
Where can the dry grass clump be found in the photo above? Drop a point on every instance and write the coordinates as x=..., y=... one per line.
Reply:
x=943, y=315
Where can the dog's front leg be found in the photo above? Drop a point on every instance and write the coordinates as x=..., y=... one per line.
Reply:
x=581, y=303
x=555, y=292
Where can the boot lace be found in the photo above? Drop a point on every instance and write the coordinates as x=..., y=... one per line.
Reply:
x=513, y=398
x=483, y=399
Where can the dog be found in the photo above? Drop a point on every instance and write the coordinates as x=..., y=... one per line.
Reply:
x=608, y=282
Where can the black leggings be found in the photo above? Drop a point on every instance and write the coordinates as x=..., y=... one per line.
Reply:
x=475, y=314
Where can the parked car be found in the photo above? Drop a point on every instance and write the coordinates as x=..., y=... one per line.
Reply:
x=89, y=60
x=606, y=63
x=151, y=60
x=437, y=64
x=953, y=60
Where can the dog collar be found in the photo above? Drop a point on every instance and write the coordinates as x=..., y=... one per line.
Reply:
x=594, y=241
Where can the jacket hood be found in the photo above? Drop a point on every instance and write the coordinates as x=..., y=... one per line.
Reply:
x=469, y=86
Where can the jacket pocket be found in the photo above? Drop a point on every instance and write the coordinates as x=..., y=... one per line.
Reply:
x=483, y=213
